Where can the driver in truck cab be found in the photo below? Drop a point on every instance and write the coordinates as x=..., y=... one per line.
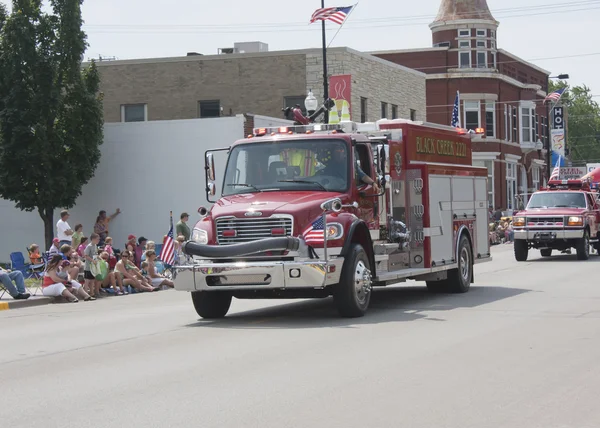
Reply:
x=335, y=164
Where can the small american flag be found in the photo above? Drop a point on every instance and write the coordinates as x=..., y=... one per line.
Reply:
x=555, y=96
x=455, y=112
x=556, y=171
x=314, y=234
x=167, y=253
x=333, y=14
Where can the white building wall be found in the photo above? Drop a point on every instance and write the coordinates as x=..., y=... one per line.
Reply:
x=146, y=169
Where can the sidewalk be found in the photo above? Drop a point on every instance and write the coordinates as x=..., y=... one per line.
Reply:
x=7, y=302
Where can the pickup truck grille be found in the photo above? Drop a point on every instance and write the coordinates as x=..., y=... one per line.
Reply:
x=545, y=221
x=233, y=230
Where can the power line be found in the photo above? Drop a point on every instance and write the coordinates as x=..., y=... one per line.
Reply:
x=369, y=23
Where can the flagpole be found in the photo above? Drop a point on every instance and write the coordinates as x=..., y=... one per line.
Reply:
x=325, y=79
x=346, y=19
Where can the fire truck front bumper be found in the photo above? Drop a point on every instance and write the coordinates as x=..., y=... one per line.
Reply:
x=540, y=235
x=275, y=275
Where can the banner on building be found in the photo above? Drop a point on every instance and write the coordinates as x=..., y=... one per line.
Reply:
x=558, y=141
x=340, y=91
x=592, y=166
x=572, y=172
x=558, y=119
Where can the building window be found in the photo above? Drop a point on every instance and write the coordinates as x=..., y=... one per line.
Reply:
x=209, y=108
x=464, y=59
x=489, y=164
x=481, y=33
x=413, y=115
x=511, y=185
x=528, y=125
x=493, y=44
x=481, y=59
x=472, y=115
x=442, y=45
x=536, y=128
x=464, y=44
x=394, y=111
x=384, y=110
x=515, y=133
x=494, y=61
x=363, y=109
x=545, y=131
x=490, y=120
x=481, y=44
x=535, y=178
x=464, y=33
x=506, y=124
x=134, y=112
x=294, y=101
x=493, y=34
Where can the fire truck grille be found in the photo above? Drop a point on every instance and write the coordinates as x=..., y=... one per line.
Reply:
x=235, y=230
x=545, y=221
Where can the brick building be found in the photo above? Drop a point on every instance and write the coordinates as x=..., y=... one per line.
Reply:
x=256, y=82
x=498, y=92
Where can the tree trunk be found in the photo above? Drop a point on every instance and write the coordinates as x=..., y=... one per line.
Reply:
x=47, y=216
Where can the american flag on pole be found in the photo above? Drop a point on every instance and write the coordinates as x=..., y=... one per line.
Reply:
x=455, y=112
x=314, y=234
x=555, y=96
x=333, y=14
x=167, y=254
x=556, y=171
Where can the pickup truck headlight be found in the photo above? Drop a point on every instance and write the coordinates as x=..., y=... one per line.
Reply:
x=575, y=221
x=519, y=221
x=200, y=236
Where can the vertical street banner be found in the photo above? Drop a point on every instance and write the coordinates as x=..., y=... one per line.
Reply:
x=557, y=134
x=340, y=92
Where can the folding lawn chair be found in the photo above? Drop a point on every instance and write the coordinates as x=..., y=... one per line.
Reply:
x=17, y=263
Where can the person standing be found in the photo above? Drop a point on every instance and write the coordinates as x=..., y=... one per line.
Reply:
x=101, y=226
x=90, y=255
x=63, y=230
x=181, y=228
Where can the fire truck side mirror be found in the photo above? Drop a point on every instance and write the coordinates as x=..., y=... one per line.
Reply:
x=211, y=188
x=210, y=167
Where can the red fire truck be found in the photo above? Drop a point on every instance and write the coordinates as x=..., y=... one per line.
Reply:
x=299, y=215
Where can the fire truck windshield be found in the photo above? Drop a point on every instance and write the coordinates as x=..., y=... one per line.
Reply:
x=297, y=165
x=557, y=200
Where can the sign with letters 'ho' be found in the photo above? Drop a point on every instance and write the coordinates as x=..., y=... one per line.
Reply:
x=558, y=130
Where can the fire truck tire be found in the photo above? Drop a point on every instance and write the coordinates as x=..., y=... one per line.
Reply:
x=521, y=250
x=353, y=293
x=211, y=304
x=583, y=246
x=546, y=252
x=459, y=280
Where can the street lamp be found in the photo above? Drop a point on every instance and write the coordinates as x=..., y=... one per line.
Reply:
x=549, y=124
x=311, y=103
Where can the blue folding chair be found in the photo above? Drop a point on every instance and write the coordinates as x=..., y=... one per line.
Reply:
x=17, y=263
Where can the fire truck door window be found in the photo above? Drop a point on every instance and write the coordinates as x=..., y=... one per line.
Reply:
x=362, y=163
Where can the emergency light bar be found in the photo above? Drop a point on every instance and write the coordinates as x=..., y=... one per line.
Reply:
x=345, y=127
x=569, y=184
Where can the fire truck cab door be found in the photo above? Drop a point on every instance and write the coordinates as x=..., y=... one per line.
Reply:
x=364, y=193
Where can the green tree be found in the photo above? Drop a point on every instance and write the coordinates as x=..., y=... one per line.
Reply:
x=51, y=118
x=583, y=122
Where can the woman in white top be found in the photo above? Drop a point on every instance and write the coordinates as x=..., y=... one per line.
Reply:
x=156, y=278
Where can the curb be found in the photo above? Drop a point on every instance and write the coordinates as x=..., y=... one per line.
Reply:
x=31, y=302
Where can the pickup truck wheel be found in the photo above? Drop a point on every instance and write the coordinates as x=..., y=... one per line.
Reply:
x=353, y=293
x=546, y=252
x=211, y=304
x=459, y=280
x=521, y=250
x=583, y=247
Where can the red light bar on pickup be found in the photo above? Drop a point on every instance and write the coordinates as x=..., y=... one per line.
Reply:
x=569, y=184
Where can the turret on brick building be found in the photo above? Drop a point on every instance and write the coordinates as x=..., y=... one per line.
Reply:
x=499, y=92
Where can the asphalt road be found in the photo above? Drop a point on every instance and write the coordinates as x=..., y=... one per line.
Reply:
x=521, y=349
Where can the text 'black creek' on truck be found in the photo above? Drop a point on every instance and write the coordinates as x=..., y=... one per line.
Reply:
x=312, y=211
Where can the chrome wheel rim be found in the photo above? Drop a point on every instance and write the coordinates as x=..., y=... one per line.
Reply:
x=362, y=282
x=465, y=264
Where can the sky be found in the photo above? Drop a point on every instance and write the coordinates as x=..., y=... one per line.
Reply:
x=560, y=37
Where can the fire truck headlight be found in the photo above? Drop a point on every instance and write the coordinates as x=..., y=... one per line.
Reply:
x=334, y=231
x=519, y=221
x=575, y=221
x=200, y=236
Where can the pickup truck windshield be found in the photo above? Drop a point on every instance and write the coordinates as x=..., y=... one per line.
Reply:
x=557, y=200
x=299, y=165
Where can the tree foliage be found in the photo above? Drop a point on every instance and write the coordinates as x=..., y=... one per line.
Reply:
x=51, y=118
x=582, y=122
